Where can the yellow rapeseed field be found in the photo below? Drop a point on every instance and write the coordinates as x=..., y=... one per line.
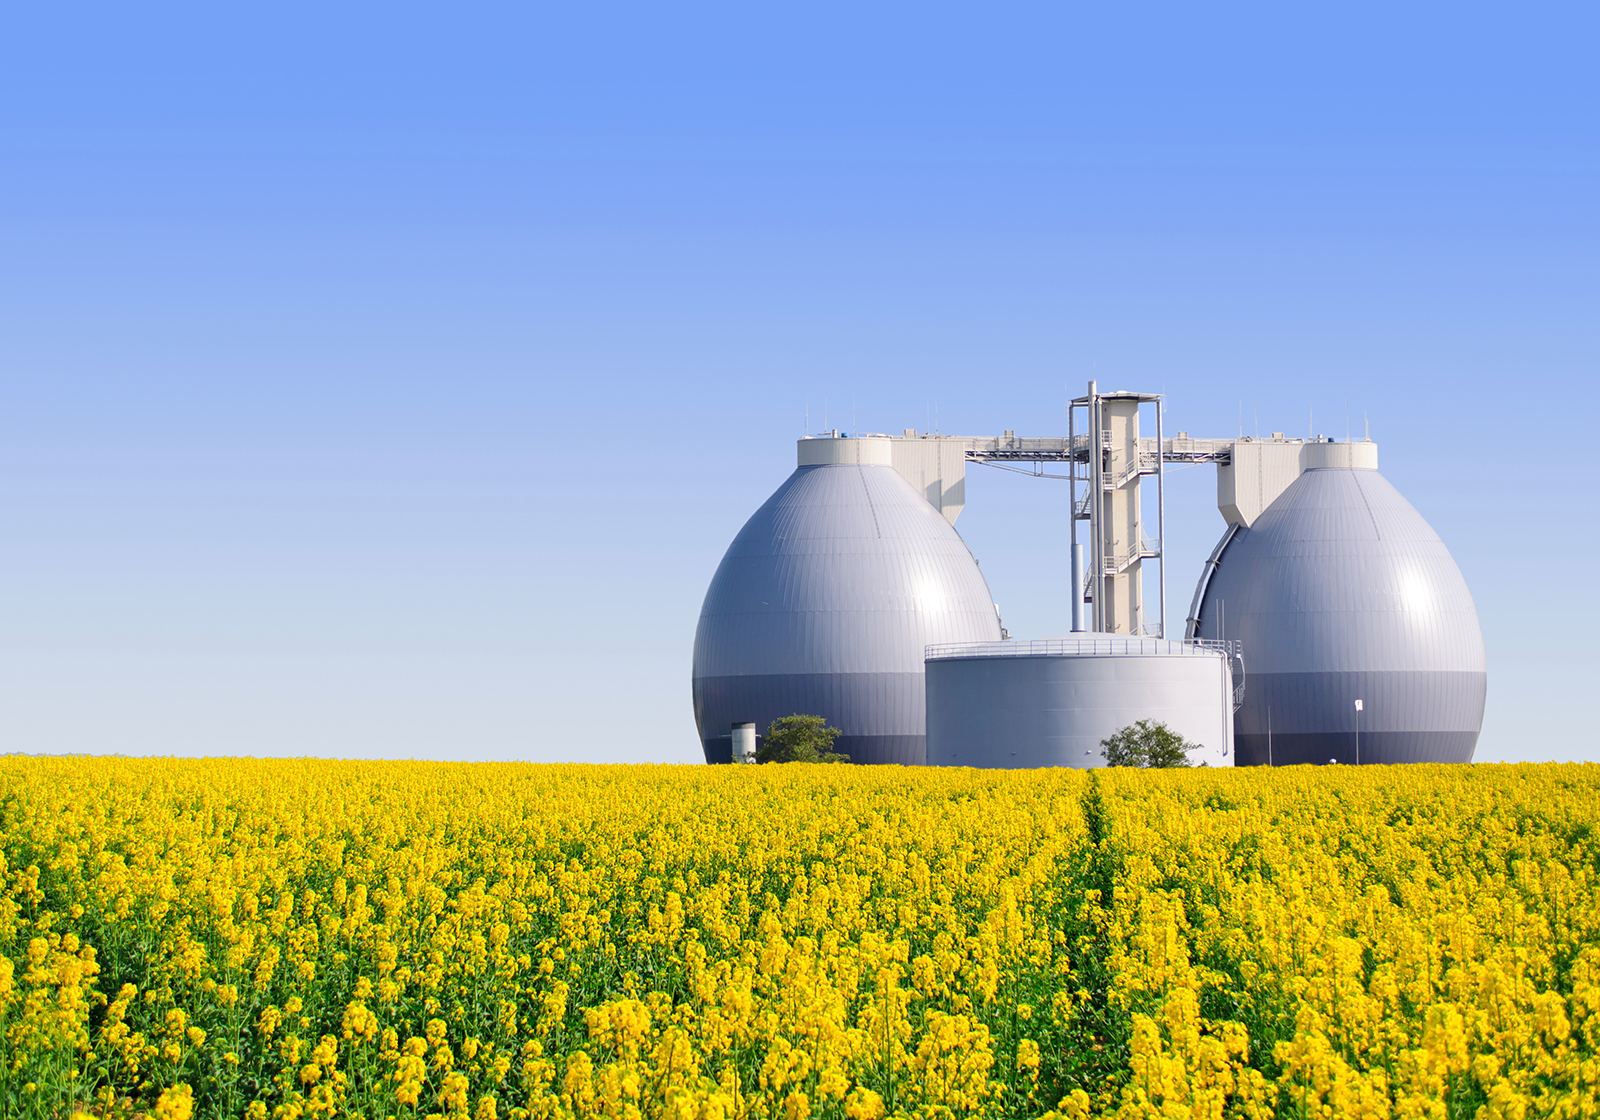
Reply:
x=305, y=939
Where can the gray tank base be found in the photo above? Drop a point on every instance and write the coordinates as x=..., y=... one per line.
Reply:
x=1385, y=748
x=1408, y=717
x=869, y=750
x=871, y=698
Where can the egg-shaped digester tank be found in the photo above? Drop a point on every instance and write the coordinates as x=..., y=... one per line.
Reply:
x=1340, y=592
x=825, y=602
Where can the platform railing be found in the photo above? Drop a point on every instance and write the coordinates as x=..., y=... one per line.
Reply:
x=1096, y=645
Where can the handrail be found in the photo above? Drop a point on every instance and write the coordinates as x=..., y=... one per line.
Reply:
x=1097, y=645
x=1119, y=562
x=1110, y=482
x=1191, y=625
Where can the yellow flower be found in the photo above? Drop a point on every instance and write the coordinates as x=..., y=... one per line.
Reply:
x=863, y=1104
x=758, y=942
x=176, y=1103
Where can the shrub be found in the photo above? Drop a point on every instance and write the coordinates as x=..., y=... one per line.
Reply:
x=1147, y=745
x=800, y=739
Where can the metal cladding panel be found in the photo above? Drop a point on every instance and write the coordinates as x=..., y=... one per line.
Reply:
x=1408, y=717
x=1341, y=591
x=823, y=605
x=867, y=750
x=1386, y=747
x=873, y=704
x=1032, y=711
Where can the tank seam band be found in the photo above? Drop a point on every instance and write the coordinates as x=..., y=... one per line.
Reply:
x=1359, y=490
x=865, y=489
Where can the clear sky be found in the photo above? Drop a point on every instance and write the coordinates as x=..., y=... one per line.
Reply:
x=389, y=381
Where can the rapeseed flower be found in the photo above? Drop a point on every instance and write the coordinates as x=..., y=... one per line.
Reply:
x=305, y=939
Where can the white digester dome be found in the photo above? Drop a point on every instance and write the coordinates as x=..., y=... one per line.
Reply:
x=1341, y=591
x=823, y=606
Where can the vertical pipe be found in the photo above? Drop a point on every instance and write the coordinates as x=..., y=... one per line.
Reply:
x=1226, y=680
x=1161, y=514
x=1096, y=551
x=1077, y=587
x=1076, y=558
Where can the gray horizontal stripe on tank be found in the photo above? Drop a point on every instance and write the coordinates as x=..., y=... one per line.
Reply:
x=1377, y=748
x=1325, y=702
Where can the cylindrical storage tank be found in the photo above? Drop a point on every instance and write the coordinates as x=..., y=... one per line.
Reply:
x=1052, y=702
x=825, y=601
x=1340, y=592
x=744, y=742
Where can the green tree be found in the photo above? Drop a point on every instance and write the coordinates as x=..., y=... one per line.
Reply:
x=1147, y=744
x=800, y=739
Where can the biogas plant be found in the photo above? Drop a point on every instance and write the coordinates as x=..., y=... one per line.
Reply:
x=1329, y=624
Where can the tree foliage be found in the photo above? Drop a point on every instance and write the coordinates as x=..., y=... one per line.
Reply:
x=1149, y=745
x=800, y=738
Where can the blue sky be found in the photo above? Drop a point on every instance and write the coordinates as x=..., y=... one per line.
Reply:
x=389, y=381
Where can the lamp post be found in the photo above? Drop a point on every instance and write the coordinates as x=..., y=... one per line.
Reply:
x=1358, y=733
